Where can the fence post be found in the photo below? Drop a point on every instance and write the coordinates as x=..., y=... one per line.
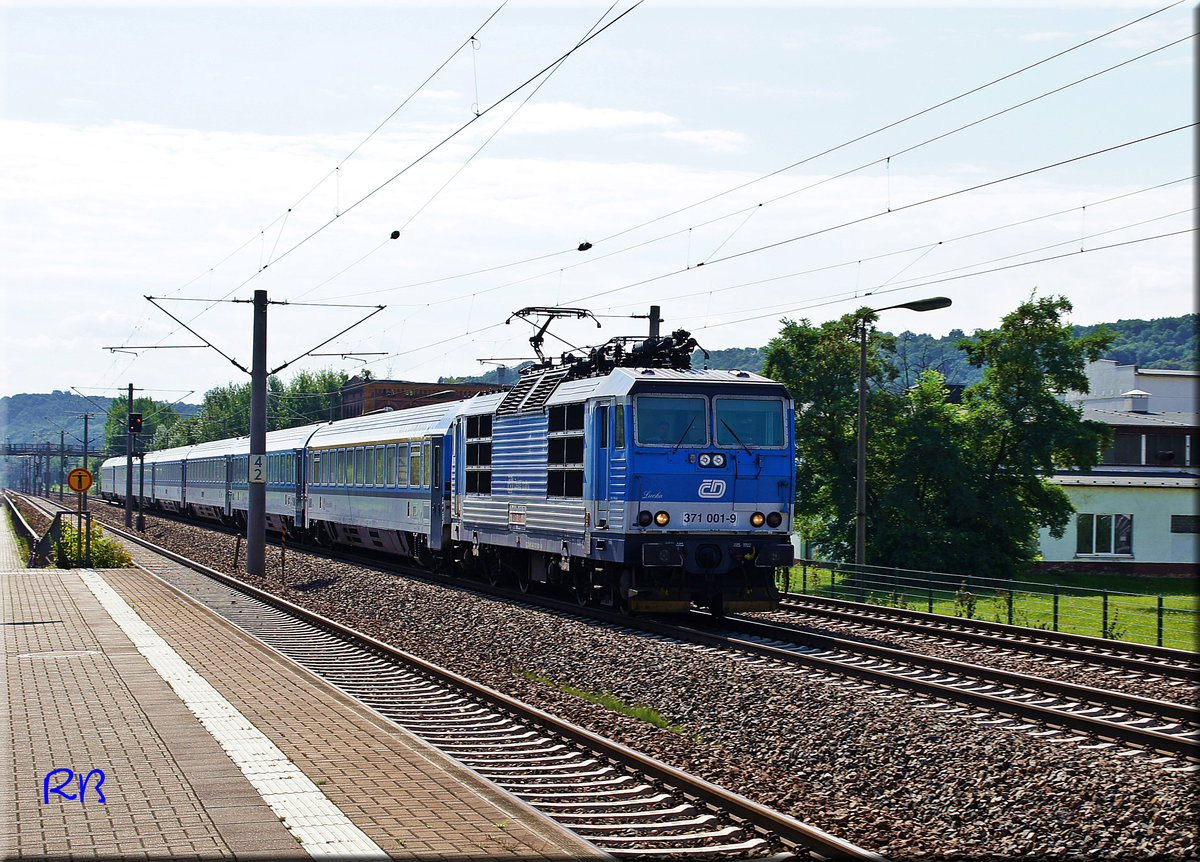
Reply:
x=803, y=578
x=929, y=589
x=1012, y=600
x=88, y=540
x=1160, y=620
x=1056, y=607
x=1104, y=623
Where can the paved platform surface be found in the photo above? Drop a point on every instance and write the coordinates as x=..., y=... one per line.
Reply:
x=84, y=657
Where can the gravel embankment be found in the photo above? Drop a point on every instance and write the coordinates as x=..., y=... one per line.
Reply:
x=877, y=770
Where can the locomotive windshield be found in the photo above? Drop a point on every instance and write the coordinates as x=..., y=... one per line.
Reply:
x=671, y=420
x=749, y=422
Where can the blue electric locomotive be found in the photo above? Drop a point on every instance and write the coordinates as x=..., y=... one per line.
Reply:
x=627, y=477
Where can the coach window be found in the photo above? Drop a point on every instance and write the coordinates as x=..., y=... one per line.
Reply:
x=414, y=465
x=671, y=420
x=426, y=465
x=369, y=476
x=360, y=471
x=402, y=465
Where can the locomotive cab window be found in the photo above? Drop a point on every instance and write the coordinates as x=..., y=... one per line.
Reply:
x=671, y=420
x=749, y=422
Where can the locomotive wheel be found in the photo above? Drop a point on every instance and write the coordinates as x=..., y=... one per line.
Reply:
x=620, y=590
x=581, y=588
x=493, y=568
x=524, y=581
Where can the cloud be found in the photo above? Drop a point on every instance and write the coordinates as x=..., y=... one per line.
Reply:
x=717, y=140
x=542, y=118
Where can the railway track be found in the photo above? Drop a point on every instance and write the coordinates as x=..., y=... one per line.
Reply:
x=1105, y=654
x=623, y=802
x=1057, y=710
x=1007, y=698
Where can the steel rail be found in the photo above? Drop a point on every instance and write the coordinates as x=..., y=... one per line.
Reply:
x=1033, y=684
x=1100, y=728
x=1130, y=703
x=1144, y=658
x=21, y=524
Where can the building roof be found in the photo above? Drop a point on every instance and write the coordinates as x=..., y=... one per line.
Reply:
x=1127, y=419
x=1131, y=479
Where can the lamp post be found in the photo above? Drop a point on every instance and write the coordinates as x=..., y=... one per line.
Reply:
x=860, y=521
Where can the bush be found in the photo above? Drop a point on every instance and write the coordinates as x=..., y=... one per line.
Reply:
x=106, y=553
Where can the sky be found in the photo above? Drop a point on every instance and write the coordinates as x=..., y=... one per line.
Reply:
x=735, y=164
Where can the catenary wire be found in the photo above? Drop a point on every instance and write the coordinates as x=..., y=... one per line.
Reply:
x=885, y=212
x=748, y=211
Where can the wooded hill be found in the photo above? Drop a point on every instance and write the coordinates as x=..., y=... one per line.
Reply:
x=1167, y=342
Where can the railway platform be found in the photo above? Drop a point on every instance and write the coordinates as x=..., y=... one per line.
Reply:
x=139, y=724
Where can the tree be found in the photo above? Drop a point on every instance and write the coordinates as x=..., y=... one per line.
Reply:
x=309, y=398
x=154, y=417
x=951, y=487
x=1019, y=432
x=819, y=365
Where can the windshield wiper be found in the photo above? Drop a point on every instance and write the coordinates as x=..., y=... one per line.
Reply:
x=736, y=437
x=684, y=435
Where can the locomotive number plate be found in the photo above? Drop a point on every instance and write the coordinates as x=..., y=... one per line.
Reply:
x=728, y=519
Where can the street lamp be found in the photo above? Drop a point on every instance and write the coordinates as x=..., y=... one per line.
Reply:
x=860, y=521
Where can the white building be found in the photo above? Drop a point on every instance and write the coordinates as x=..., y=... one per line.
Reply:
x=1136, y=512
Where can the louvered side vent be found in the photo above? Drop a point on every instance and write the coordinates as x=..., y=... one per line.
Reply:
x=543, y=390
x=512, y=401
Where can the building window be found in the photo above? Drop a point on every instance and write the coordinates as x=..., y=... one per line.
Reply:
x=1103, y=534
x=1185, y=523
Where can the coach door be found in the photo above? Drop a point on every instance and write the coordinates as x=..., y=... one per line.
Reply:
x=298, y=486
x=437, y=495
x=602, y=441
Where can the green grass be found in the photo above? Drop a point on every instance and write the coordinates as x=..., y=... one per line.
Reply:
x=1132, y=618
x=608, y=700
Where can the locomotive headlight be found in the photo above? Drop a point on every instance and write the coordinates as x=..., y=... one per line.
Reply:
x=774, y=519
x=662, y=519
x=705, y=459
x=718, y=460
x=644, y=518
x=757, y=519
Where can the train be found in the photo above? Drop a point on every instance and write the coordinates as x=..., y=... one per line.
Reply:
x=625, y=477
